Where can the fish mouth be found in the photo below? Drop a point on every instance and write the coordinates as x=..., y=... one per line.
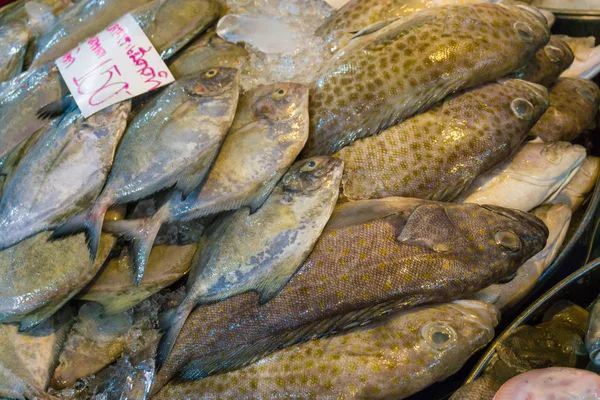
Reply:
x=521, y=217
x=481, y=313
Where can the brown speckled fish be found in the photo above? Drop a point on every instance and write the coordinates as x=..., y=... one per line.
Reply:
x=373, y=257
x=549, y=62
x=437, y=154
x=399, y=70
x=573, y=106
x=393, y=358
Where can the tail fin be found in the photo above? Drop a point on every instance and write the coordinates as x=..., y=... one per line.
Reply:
x=89, y=222
x=142, y=233
x=173, y=320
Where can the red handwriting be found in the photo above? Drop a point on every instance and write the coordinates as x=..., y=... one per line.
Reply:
x=68, y=58
x=96, y=47
x=99, y=91
x=146, y=71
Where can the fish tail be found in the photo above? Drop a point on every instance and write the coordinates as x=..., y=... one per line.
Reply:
x=172, y=321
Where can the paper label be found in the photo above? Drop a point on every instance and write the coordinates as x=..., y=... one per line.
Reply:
x=115, y=65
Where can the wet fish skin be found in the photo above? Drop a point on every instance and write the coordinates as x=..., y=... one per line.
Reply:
x=273, y=127
x=115, y=288
x=13, y=44
x=62, y=174
x=437, y=154
x=400, y=70
x=506, y=294
x=17, y=12
x=9, y=164
x=573, y=106
x=93, y=343
x=549, y=62
x=535, y=174
x=38, y=277
x=384, y=260
x=388, y=350
x=206, y=52
x=171, y=142
x=27, y=359
x=592, y=336
x=21, y=98
x=584, y=181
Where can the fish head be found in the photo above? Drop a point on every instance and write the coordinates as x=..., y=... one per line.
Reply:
x=559, y=52
x=311, y=175
x=530, y=23
x=528, y=101
x=211, y=82
x=281, y=101
x=544, y=162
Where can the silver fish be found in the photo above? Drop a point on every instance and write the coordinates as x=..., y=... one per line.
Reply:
x=13, y=43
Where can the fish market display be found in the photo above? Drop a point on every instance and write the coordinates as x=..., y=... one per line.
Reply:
x=9, y=164
x=557, y=342
x=21, y=10
x=549, y=63
x=268, y=132
x=587, y=58
x=552, y=383
x=534, y=175
x=115, y=288
x=21, y=98
x=372, y=258
x=27, y=360
x=207, y=52
x=384, y=77
x=38, y=277
x=270, y=244
x=13, y=43
x=573, y=106
x=62, y=173
x=437, y=154
x=575, y=193
x=392, y=358
x=505, y=295
x=171, y=142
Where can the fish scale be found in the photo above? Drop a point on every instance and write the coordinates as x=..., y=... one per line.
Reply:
x=357, y=273
x=399, y=70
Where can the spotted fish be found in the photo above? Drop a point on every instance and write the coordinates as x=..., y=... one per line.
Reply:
x=573, y=107
x=437, y=154
x=374, y=256
x=403, y=68
x=392, y=358
x=549, y=62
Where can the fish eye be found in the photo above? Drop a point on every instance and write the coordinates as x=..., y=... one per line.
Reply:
x=508, y=241
x=554, y=53
x=210, y=73
x=437, y=335
x=586, y=94
x=309, y=166
x=524, y=31
x=522, y=108
x=279, y=94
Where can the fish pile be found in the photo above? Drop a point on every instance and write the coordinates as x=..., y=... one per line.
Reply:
x=324, y=204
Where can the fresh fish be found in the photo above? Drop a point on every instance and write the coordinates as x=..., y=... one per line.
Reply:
x=115, y=288
x=207, y=52
x=437, y=154
x=62, y=174
x=271, y=244
x=374, y=257
x=587, y=57
x=392, y=358
x=506, y=294
x=356, y=15
x=13, y=44
x=38, y=277
x=169, y=24
x=252, y=160
x=534, y=175
x=17, y=10
x=556, y=342
x=171, y=142
x=592, y=336
x=584, y=181
x=549, y=62
x=552, y=383
x=27, y=360
x=21, y=98
x=402, y=69
x=573, y=106
x=9, y=164
x=93, y=343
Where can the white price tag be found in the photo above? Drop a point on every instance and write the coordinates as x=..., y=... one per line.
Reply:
x=117, y=64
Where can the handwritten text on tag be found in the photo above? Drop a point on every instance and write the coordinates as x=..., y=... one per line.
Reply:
x=117, y=64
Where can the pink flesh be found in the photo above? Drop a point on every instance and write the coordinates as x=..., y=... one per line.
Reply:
x=552, y=384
